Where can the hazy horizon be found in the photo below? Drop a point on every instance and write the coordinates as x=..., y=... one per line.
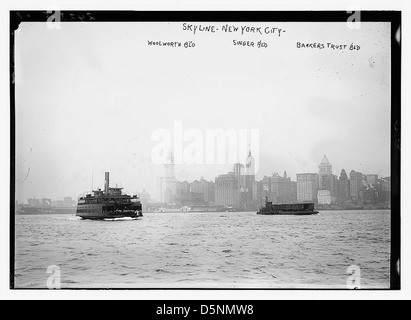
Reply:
x=90, y=95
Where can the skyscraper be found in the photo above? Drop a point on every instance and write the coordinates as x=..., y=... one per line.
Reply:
x=249, y=178
x=169, y=166
x=280, y=188
x=205, y=188
x=170, y=181
x=343, y=187
x=227, y=190
x=307, y=187
x=239, y=172
x=293, y=197
x=356, y=185
x=327, y=181
x=325, y=167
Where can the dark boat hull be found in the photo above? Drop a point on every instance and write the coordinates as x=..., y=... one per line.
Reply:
x=284, y=213
x=108, y=215
x=288, y=209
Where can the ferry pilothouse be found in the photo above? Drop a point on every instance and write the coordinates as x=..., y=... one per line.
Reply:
x=108, y=204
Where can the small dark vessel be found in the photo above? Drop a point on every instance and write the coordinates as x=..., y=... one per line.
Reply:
x=108, y=204
x=299, y=209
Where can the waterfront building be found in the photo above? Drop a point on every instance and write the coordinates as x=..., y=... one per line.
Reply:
x=205, y=188
x=256, y=191
x=227, y=190
x=371, y=179
x=169, y=187
x=57, y=203
x=324, y=197
x=45, y=202
x=182, y=191
x=356, y=185
x=280, y=189
x=68, y=202
x=266, y=187
x=370, y=194
x=34, y=202
x=293, y=191
x=145, y=198
x=307, y=187
x=249, y=178
x=190, y=199
x=343, y=187
x=327, y=181
x=386, y=190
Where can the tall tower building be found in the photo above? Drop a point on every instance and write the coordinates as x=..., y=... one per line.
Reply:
x=356, y=185
x=170, y=182
x=326, y=170
x=239, y=172
x=249, y=177
x=227, y=190
x=169, y=166
x=327, y=181
x=250, y=165
x=343, y=186
x=325, y=165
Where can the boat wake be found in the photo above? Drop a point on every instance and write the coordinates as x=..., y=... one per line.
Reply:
x=121, y=219
x=74, y=218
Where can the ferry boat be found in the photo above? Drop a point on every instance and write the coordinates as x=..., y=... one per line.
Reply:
x=108, y=204
x=299, y=209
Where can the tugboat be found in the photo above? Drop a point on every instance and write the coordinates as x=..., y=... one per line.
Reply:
x=299, y=209
x=108, y=204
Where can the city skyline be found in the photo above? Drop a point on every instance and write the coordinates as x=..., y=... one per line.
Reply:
x=170, y=172
x=79, y=111
x=243, y=150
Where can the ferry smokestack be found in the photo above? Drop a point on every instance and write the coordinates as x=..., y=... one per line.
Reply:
x=107, y=183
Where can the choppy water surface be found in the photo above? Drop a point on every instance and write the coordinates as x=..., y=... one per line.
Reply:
x=205, y=250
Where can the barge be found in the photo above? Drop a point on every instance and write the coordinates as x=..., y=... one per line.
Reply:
x=299, y=209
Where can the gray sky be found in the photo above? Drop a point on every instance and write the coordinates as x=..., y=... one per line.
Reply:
x=90, y=95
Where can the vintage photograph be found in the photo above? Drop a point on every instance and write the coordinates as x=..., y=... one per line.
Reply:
x=205, y=150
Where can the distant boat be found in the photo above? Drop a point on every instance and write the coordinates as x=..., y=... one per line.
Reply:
x=299, y=209
x=108, y=204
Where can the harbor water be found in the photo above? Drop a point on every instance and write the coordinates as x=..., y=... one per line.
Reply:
x=205, y=250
